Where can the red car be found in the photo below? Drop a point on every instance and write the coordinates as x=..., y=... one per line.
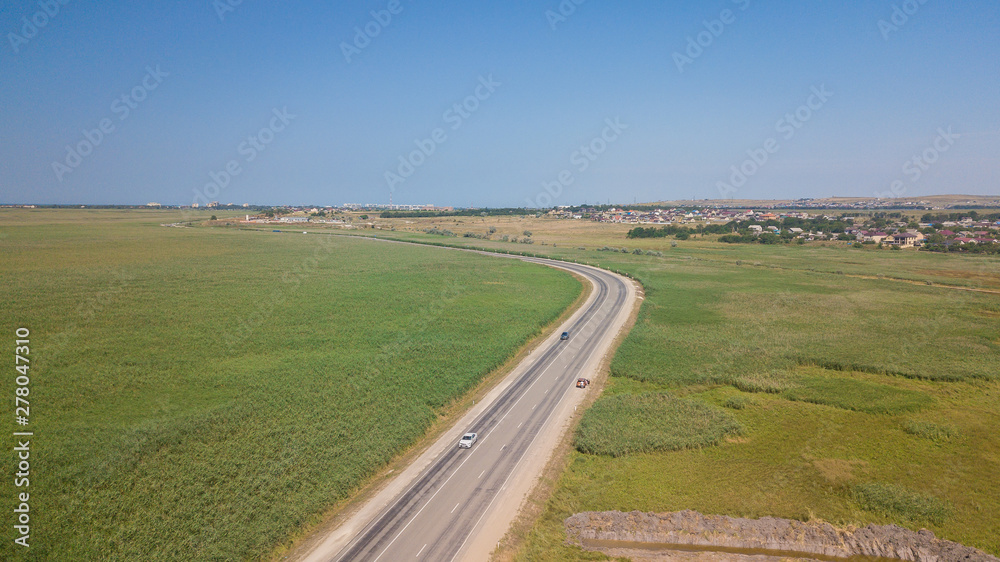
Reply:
x=582, y=383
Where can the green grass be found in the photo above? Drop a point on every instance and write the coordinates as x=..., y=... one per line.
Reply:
x=857, y=395
x=737, y=402
x=644, y=423
x=774, y=382
x=202, y=394
x=896, y=501
x=930, y=430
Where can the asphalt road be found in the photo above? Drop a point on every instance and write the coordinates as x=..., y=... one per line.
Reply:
x=439, y=513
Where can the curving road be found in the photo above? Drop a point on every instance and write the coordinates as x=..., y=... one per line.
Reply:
x=455, y=504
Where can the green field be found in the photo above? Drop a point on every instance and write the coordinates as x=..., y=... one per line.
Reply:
x=865, y=384
x=204, y=394
x=849, y=376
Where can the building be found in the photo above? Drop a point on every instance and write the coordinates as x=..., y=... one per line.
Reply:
x=903, y=240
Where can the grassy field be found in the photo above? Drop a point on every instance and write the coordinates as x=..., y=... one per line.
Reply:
x=203, y=394
x=865, y=384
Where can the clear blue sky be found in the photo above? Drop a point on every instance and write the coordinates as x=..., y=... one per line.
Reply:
x=555, y=85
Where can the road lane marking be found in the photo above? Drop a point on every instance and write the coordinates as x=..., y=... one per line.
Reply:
x=456, y=507
x=481, y=475
x=429, y=500
x=419, y=551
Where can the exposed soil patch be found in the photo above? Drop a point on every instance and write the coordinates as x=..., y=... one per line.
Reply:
x=687, y=534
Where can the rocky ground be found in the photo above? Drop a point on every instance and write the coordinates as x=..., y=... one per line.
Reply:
x=648, y=536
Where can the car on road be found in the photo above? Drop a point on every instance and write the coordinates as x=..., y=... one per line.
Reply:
x=582, y=383
x=468, y=440
x=565, y=336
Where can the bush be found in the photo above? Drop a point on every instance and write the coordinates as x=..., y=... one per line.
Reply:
x=439, y=232
x=645, y=423
x=892, y=500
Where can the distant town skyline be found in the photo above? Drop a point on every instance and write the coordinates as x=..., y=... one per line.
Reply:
x=556, y=103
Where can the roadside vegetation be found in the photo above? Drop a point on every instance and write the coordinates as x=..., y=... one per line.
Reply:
x=206, y=393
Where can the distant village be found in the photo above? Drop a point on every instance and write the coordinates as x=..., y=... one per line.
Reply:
x=888, y=229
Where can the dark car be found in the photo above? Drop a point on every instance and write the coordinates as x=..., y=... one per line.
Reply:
x=565, y=336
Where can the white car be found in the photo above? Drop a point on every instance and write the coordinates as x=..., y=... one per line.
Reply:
x=468, y=440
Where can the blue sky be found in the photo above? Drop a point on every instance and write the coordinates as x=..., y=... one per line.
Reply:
x=204, y=93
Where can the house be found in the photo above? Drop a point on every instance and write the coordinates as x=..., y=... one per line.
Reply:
x=876, y=237
x=903, y=240
x=756, y=228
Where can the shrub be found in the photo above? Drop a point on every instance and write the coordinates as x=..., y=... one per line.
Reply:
x=645, y=423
